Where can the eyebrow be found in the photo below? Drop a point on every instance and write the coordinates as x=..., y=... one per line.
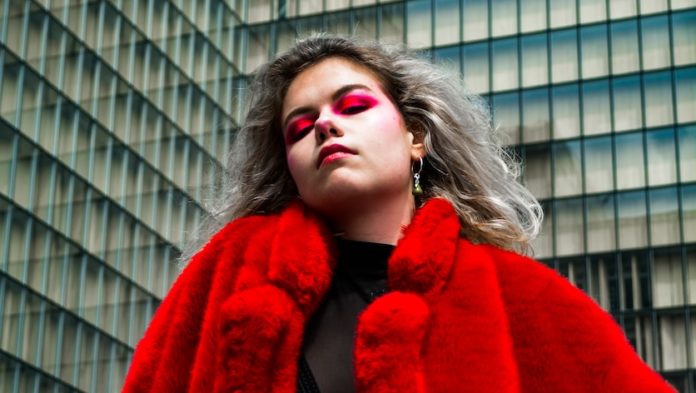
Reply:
x=338, y=93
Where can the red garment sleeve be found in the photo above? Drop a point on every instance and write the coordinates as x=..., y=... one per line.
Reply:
x=565, y=336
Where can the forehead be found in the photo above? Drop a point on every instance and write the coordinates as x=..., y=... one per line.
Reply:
x=321, y=80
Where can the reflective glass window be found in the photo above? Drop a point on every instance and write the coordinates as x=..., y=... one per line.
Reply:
x=391, y=28
x=601, y=234
x=599, y=165
x=567, y=168
x=419, y=24
x=622, y=8
x=505, y=64
x=655, y=42
x=506, y=116
x=664, y=216
x=563, y=13
x=625, y=53
x=566, y=111
x=504, y=17
x=447, y=22
x=652, y=6
x=564, y=55
x=630, y=163
x=687, y=153
x=535, y=115
x=474, y=19
x=685, y=83
x=662, y=165
x=658, y=99
x=595, y=58
x=534, y=60
x=475, y=62
x=633, y=229
x=596, y=107
x=543, y=244
x=688, y=200
x=532, y=15
x=592, y=11
x=537, y=170
x=570, y=234
x=683, y=33
x=627, y=104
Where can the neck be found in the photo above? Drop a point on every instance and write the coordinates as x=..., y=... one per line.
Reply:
x=377, y=223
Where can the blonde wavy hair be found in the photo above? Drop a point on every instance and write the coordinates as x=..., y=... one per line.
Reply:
x=464, y=162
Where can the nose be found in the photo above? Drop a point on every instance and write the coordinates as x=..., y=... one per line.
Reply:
x=325, y=128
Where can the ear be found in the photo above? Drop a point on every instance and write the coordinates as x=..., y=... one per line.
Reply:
x=417, y=148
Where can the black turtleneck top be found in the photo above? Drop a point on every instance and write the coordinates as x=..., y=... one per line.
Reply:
x=360, y=277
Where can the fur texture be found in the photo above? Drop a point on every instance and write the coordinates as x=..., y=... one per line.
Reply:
x=460, y=317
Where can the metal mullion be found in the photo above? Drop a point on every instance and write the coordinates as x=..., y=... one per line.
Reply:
x=78, y=351
x=4, y=23
x=38, y=351
x=2, y=306
x=23, y=44
x=97, y=337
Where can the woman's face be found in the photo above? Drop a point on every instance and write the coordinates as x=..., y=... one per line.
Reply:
x=345, y=140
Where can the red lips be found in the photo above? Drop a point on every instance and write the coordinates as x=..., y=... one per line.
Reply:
x=331, y=149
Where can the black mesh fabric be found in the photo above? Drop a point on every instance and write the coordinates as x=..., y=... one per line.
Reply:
x=360, y=277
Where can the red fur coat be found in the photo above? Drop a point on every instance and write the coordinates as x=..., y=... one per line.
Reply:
x=459, y=318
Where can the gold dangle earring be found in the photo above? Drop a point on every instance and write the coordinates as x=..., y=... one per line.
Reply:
x=417, y=190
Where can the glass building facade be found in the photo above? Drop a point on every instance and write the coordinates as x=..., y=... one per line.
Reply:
x=116, y=115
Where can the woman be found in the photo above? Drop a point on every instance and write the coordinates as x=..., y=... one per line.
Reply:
x=371, y=222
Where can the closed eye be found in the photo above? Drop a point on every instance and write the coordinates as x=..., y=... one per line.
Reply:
x=354, y=103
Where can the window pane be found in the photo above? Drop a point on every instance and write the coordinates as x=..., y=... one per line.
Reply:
x=569, y=228
x=628, y=109
x=504, y=17
x=505, y=64
x=534, y=60
x=688, y=199
x=685, y=81
x=535, y=115
x=566, y=111
x=600, y=223
x=562, y=13
x=475, y=59
x=630, y=169
x=448, y=58
x=658, y=99
x=668, y=278
x=599, y=168
x=673, y=342
x=543, y=244
x=632, y=224
x=664, y=217
x=622, y=8
x=564, y=55
x=532, y=15
x=392, y=26
x=446, y=22
x=506, y=116
x=592, y=11
x=652, y=6
x=687, y=153
x=595, y=60
x=365, y=23
x=624, y=47
x=596, y=107
x=655, y=40
x=419, y=27
x=567, y=168
x=475, y=19
x=683, y=33
x=662, y=166
x=679, y=4
x=537, y=171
